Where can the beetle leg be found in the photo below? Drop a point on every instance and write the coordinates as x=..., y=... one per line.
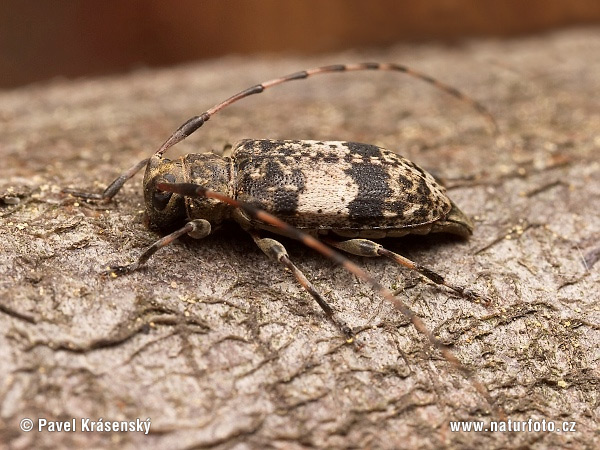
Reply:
x=197, y=229
x=114, y=187
x=276, y=251
x=365, y=247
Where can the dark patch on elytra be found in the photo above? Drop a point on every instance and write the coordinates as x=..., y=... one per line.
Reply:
x=265, y=145
x=373, y=191
x=364, y=150
x=424, y=192
x=398, y=207
x=318, y=156
x=247, y=145
x=412, y=198
x=417, y=168
x=287, y=149
x=406, y=182
x=275, y=190
x=421, y=214
x=331, y=158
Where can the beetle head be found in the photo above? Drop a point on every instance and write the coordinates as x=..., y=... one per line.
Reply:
x=167, y=210
x=164, y=210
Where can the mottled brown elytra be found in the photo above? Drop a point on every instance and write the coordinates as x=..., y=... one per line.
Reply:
x=312, y=191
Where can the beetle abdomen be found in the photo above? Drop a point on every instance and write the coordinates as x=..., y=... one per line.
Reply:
x=335, y=185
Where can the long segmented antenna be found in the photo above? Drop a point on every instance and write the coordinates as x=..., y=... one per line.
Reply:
x=196, y=122
x=193, y=190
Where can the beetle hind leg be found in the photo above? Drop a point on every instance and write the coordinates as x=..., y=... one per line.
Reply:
x=365, y=247
x=276, y=251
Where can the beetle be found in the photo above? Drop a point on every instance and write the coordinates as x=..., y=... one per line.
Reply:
x=305, y=190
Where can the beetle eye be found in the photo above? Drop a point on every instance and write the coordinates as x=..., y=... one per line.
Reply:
x=160, y=199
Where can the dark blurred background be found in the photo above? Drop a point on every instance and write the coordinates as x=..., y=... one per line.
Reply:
x=48, y=38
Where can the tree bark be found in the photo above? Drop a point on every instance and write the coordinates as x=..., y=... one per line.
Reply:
x=219, y=347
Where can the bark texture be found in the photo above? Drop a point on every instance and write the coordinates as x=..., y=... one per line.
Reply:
x=220, y=347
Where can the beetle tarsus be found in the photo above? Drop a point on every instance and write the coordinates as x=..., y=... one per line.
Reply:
x=117, y=271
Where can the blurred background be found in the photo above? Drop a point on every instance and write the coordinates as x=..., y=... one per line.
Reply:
x=43, y=39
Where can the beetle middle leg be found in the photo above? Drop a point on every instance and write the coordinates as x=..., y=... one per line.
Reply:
x=197, y=229
x=368, y=248
x=276, y=251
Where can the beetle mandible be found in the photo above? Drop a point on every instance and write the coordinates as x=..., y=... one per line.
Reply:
x=304, y=190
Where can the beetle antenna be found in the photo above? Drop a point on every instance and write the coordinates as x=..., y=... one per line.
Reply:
x=196, y=122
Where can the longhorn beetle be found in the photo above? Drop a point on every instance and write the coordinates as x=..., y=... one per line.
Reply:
x=346, y=189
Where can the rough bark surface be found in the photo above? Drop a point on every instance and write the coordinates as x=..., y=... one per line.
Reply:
x=220, y=347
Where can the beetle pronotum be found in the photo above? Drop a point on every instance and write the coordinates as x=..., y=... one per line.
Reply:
x=356, y=191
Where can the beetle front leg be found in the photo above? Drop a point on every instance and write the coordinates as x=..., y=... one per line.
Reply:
x=197, y=229
x=365, y=247
x=276, y=251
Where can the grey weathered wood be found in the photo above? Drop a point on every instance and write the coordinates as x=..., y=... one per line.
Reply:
x=220, y=347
